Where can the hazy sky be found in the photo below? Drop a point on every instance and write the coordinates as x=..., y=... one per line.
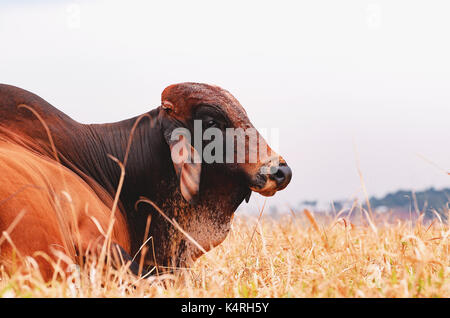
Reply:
x=331, y=75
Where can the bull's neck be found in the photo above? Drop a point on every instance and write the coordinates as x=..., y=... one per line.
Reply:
x=148, y=170
x=144, y=161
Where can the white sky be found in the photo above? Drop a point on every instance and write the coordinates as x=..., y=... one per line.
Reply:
x=329, y=74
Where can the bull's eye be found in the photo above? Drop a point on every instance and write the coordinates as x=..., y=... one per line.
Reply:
x=211, y=123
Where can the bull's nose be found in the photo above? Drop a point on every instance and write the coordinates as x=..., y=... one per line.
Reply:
x=281, y=175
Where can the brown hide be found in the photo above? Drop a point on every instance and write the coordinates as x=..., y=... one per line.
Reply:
x=43, y=206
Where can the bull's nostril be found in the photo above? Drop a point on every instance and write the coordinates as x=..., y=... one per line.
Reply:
x=279, y=174
x=282, y=175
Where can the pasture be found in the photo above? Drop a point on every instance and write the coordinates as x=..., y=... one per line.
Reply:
x=300, y=255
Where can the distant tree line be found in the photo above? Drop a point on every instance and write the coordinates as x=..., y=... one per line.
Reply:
x=423, y=201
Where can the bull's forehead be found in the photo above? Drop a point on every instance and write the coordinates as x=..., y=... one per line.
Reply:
x=188, y=95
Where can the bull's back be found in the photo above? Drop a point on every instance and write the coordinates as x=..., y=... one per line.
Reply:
x=11, y=97
x=24, y=112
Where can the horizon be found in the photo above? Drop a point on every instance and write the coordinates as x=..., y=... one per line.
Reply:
x=328, y=205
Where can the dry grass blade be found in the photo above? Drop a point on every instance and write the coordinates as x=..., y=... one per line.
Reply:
x=12, y=225
x=66, y=231
x=311, y=220
x=47, y=130
x=369, y=220
x=254, y=230
x=361, y=179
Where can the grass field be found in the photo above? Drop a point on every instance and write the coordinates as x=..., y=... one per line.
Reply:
x=301, y=255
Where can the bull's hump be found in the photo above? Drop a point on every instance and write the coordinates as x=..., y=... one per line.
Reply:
x=12, y=96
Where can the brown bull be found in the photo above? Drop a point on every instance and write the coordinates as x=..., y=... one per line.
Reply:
x=201, y=197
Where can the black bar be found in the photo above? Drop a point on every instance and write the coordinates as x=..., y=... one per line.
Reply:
x=213, y=307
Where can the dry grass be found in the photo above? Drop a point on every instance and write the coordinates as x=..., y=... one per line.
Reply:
x=293, y=257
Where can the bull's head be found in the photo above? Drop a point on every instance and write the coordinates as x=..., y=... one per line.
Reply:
x=214, y=180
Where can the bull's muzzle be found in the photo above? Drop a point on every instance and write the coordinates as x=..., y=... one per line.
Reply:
x=272, y=177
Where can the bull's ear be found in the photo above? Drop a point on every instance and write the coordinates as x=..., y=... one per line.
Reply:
x=188, y=167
